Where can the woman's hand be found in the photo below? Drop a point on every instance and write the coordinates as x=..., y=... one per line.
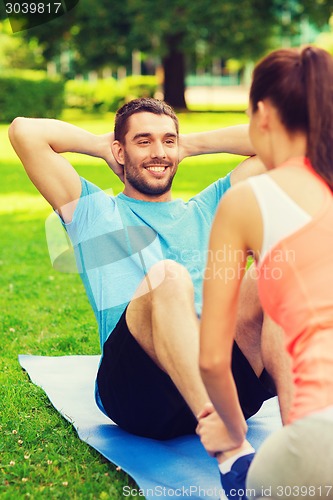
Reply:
x=213, y=433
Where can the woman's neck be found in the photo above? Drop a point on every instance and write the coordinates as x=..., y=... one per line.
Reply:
x=288, y=146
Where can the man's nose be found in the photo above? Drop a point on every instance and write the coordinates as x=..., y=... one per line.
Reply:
x=158, y=150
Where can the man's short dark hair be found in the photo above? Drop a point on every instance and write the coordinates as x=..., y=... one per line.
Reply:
x=141, y=105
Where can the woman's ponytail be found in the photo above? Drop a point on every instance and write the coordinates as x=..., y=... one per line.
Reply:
x=317, y=67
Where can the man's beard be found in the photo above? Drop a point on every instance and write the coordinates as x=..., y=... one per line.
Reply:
x=134, y=177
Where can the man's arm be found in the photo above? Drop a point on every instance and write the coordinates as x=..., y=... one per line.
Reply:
x=39, y=142
x=234, y=140
x=247, y=168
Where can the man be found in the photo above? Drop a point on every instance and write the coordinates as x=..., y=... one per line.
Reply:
x=141, y=256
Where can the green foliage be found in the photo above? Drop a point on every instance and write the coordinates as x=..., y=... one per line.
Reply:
x=16, y=52
x=107, y=94
x=30, y=94
x=317, y=12
x=179, y=32
x=325, y=39
x=92, y=96
x=226, y=28
x=229, y=29
x=140, y=86
x=102, y=34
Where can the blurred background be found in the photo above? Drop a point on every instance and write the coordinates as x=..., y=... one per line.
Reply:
x=197, y=55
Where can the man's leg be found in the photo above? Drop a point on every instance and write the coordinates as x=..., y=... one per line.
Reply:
x=262, y=342
x=278, y=364
x=162, y=319
x=249, y=322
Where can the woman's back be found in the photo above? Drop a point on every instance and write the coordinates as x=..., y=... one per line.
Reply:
x=296, y=276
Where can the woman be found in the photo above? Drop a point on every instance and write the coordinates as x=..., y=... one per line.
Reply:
x=284, y=218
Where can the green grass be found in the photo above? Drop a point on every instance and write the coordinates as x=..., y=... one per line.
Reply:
x=44, y=312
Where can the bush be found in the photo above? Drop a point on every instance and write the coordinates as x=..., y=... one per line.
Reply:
x=30, y=94
x=91, y=96
x=107, y=94
x=140, y=86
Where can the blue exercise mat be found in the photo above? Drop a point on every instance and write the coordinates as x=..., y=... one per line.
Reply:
x=175, y=468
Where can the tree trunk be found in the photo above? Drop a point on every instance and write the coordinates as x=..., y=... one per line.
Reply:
x=174, y=74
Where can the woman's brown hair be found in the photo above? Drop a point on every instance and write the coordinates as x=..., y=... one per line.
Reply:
x=299, y=83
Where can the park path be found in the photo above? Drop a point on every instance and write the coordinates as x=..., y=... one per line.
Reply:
x=217, y=95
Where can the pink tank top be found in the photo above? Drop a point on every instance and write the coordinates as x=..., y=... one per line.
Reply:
x=296, y=290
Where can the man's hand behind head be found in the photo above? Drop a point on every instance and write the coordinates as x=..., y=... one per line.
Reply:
x=109, y=158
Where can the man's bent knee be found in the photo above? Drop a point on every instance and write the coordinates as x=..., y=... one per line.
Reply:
x=171, y=278
x=166, y=277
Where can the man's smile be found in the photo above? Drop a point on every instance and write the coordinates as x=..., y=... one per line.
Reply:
x=154, y=168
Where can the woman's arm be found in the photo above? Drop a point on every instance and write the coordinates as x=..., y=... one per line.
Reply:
x=225, y=269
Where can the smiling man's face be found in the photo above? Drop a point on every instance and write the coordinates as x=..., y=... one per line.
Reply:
x=150, y=156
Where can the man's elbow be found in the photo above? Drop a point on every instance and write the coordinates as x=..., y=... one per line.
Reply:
x=248, y=168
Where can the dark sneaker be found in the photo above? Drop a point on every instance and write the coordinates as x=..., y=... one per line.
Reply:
x=234, y=482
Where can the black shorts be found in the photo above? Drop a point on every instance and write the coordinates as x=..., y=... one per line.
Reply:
x=142, y=399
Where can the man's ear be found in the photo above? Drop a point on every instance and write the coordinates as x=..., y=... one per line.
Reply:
x=118, y=152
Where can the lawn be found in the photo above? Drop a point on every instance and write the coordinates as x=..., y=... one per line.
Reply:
x=45, y=312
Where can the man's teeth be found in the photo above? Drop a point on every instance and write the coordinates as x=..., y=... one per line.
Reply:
x=156, y=169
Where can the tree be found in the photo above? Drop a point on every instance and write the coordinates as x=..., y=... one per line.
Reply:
x=105, y=35
x=176, y=27
x=230, y=29
x=15, y=53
